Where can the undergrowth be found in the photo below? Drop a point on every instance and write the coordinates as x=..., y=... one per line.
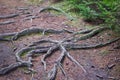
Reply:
x=97, y=12
x=106, y=12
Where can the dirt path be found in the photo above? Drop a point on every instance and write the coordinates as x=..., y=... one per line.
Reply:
x=102, y=63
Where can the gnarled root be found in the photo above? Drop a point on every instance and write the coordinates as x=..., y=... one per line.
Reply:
x=63, y=45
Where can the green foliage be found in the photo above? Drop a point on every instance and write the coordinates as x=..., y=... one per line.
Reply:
x=106, y=10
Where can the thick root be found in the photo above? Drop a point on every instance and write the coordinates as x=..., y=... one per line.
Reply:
x=17, y=35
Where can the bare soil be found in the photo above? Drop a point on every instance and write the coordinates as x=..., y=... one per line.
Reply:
x=101, y=62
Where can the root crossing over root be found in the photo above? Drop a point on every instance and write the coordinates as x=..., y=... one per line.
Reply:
x=63, y=46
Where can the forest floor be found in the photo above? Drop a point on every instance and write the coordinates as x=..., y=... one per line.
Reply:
x=102, y=63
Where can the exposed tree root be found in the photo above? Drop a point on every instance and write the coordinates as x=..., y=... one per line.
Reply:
x=6, y=22
x=15, y=36
x=63, y=46
x=84, y=46
x=90, y=33
x=58, y=10
x=11, y=67
x=6, y=36
x=9, y=16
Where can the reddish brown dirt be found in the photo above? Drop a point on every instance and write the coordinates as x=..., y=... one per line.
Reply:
x=95, y=61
